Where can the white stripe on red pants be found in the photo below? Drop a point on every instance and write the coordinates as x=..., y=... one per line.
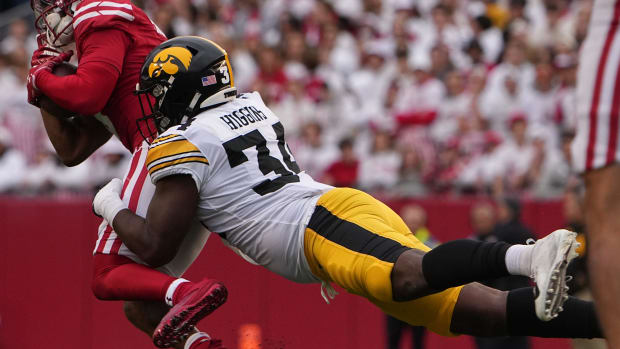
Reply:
x=138, y=190
x=132, y=194
x=598, y=90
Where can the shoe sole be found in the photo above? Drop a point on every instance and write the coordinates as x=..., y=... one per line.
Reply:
x=180, y=326
x=556, y=290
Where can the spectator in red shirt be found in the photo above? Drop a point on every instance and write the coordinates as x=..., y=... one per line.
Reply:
x=343, y=172
x=271, y=73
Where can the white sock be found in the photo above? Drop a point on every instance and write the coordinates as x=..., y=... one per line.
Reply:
x=519, y=260
x=173, y=287
x=198, y=337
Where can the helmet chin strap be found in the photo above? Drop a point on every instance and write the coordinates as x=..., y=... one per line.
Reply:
x=192, y=104
x=190, y=108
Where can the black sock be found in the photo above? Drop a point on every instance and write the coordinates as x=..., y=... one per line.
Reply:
x=460, y=262
x=578, y=320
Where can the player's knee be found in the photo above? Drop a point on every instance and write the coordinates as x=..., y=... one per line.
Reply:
x=407, y=278
x=100, y=288
x=408, y=287
x=403, y=289
x=100, y=284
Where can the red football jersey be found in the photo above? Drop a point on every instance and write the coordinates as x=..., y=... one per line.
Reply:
x=122, y=108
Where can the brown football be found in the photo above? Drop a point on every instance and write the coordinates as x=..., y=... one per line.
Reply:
x=47, y=105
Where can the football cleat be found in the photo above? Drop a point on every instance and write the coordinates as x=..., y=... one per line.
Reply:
x=550, y=259
x=199, y=301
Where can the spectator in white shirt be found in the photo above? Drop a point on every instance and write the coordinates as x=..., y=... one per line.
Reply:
x=516, y=155
x=21, y=119
x=482, y=173
x=541, y=103
x=294, y=109
x=514, y=64
x=370, y=84
x=566, y=95
x=418, y=100
x=447, y=31
x=48, y=174
x=12, y=164
x=489, y=37
x=549, y=171
x=498, y=103
x=473, y=56
x=455, y=105
x=110, y=161
x=313, y=153
x=379, y=169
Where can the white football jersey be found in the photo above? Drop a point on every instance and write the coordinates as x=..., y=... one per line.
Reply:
x=251, y=190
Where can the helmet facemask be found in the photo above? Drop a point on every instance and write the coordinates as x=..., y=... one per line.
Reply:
x=153, y=121
x=54, y=18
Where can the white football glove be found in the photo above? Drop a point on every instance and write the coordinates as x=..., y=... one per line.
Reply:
x=107, y=202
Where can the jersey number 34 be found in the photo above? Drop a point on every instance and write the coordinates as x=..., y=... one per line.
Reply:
x=266, y=163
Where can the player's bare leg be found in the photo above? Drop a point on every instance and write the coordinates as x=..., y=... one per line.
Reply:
x=602, y=211
x=484, y=311
x=417, y=274
x=146, y=316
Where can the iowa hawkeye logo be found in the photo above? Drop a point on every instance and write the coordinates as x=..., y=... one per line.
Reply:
x=170, y=61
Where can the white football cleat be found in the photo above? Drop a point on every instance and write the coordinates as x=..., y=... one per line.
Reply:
x=550, y=259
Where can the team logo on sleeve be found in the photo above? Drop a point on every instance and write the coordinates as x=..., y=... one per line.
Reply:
x=170, y=61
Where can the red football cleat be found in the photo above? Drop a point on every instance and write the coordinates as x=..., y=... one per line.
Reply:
x=199, y=301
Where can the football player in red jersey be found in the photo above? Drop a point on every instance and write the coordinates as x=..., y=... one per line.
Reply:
x=596, y=155
x=111, y=40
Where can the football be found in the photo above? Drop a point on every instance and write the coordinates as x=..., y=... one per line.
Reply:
x=46, y=104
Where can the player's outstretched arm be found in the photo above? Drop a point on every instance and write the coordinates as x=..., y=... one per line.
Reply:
x=76, y=138
x=156, y=238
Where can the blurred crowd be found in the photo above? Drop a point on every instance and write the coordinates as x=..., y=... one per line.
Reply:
x=406, y=97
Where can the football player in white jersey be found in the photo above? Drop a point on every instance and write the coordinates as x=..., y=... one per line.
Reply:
x=223, y=159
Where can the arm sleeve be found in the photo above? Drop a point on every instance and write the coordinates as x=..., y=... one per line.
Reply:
x=88, y=90
x=173, y=154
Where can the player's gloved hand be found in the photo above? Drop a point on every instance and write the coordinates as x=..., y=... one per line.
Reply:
x=44, y=52
x=107, y=202
x=33, y=92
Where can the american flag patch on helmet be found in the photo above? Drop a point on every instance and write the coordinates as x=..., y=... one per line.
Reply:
x=208, y=80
